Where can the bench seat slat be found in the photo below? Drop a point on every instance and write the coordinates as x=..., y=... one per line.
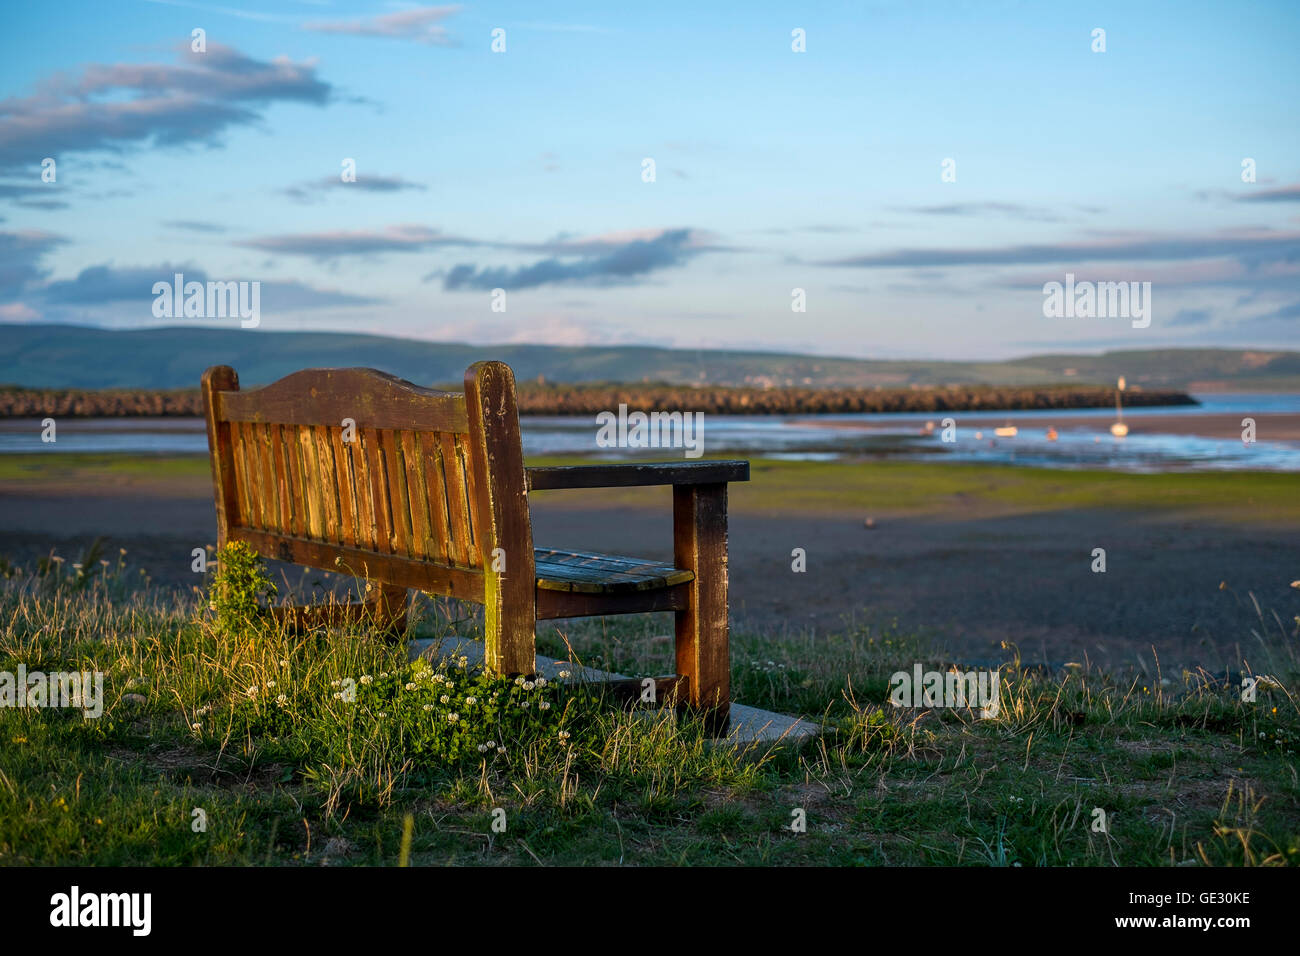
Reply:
x=603, y=573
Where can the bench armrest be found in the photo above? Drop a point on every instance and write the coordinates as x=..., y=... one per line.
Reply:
x=637, y=473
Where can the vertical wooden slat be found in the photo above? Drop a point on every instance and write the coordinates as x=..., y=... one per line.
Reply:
x=293, y=478
x=436, y=496
x=253, y=472
x=417, y=493
x=397, y=492
x=365, y=500
x=247, y=518
x=471, y=491
x=221, y=449
x=347, y=491
x=378, y=491
x=311, y=484
x=328, y=475
x=283, y=490
x=457, y=506
x=270, y=496
x=700, y=545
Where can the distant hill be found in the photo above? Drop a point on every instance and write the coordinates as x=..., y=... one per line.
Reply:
x=63, y=356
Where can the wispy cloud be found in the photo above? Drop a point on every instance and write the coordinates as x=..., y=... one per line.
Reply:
x=1281, y=194
x=1007, y=210
x=601, y=261
x=112, y=107
x=314, y=190
x=108, y=284
x=20, y=259
x=190, y=225
x=337, y=243
x=1249, y=245
x=420, y=25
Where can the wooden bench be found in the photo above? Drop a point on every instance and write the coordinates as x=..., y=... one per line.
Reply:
x=356, y=471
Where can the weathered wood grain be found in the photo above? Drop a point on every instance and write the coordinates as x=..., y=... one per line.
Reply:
x=501, y=509
x=700, y=546
x=629, y=474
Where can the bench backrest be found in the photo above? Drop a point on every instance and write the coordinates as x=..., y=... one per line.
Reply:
x=428, y=491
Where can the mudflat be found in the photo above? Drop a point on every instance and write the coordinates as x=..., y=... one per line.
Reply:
x=969, y=556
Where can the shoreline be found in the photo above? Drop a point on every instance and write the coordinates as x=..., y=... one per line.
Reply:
x=1269, y=426
x=579, y=400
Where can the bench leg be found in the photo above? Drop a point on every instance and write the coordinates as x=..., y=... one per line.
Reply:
x=510, y=639
x=703, y=654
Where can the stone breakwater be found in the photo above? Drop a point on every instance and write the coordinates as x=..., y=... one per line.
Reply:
x=593, y=399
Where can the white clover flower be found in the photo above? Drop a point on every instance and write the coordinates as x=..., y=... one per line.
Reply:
x=337, y=695
x=529, y=685
x=270, y=684
x=284, y=663
x=482, y=748
x=565, y=674
x=410, y=686
x=204, y=710
x=382, y=715
x=471, y=701
x=444, y=699
x=524, y=705
x=251, y=692
x=544, y=705
x=501, y=750
x=336, y=683
x=453, y=718
x=367, y=679
x=383, y=673
x=196, y=727
x=564, y=735
x=428, y=707
x=519, y=681
x=463, y=662
x=282, y=699
x=541, y=682
x=450, y=686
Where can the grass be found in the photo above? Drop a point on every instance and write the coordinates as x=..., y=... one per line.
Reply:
x=248, y=729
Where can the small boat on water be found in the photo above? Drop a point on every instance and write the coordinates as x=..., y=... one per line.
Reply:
x=1051, y=433
x=1119, y=429
x=1006, y=431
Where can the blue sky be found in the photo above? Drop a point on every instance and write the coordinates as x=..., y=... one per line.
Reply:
x=775, y=170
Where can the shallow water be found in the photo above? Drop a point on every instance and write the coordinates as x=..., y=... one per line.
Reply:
x=796, y=437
